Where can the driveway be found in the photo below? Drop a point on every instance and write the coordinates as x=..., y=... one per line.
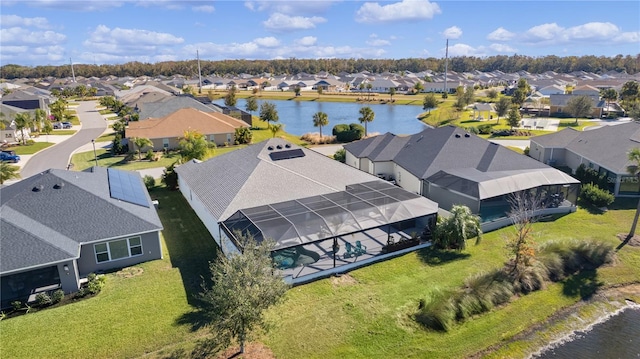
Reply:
x=58, y=155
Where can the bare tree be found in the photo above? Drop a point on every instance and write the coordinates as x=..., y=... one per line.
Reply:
x=523, y=214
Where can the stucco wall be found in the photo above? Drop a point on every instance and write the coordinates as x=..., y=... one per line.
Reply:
x=406, y=180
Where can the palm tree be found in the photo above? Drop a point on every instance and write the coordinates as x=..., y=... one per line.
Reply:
x=8, y=172
x=634, y=169
x=40, y=116
x=141, y=142
x=453, y=232
x=367, y=115
x=275, y=128
x=23, y=120
x=320, y=119
x=609, y=95
x=369, y=87
x=392, y=91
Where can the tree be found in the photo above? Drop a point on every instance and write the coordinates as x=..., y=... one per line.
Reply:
x=251, y=105
x=23, y=120
x=502, y=107
x=8, y=172
x=468, y=95
x=340, y=155
x=523, y=215
x=319, y=91
x=418, y=87
x=523, y=90
x=634, y=170
x=141, y=142
x=170, y=177
x=513, y=119
x=275, y=128
x=630, y=91
x=369, y=87
x=492, y=93
x=243, y=287
x=243, y=135
x=296, y=90
x=579, y=106
x=193, y=145
x=320, y=119
x=430, y=101
x=230, y=99
x=634, y=112
x=609, y=95
x=453, y=232
x=392, y=91
x=268, y=112
x=366, y=115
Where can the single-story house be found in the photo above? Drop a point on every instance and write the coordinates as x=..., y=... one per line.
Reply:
x=58, y=226
x=165, y=132
x=451, y=166
x=604, y=149
x=558, y=104
x=325, y=217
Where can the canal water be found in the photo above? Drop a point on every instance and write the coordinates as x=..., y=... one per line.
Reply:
x=297, y=116
x=617, y=337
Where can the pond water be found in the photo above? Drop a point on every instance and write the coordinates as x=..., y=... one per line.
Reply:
x=297, y=116
x=617, y=337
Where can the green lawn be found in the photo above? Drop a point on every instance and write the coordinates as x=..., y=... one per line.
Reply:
x=366, y=318
x=29, y=149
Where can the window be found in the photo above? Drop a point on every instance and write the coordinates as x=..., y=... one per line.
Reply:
x=229, y=137
x=165, y=143
x=118, y=249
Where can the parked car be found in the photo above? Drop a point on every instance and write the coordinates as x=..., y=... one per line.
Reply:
x=57, y=125
x=67, y=125
x=8, y=157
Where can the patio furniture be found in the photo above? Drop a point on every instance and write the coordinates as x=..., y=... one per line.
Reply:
x=349, y=250
x=360, y=249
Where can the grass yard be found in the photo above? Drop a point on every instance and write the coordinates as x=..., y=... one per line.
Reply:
x=131, y=316
x=28, y=149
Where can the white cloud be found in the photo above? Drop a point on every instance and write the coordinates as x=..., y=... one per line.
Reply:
x=85, y=5
x=374, y=40
x=502, y=48
x=18, y=35
x=629, y=37
x=406, y=10
x=593, y=32
x=544, y=32
x=22, y=54
x=501, y=34
x=290, y=7
x=282, y=22
x=267, y=41
x=133, y=42
x=453, y=32
x=307, y=41
x=204, y=8
x=462, y=50
x=15, y=20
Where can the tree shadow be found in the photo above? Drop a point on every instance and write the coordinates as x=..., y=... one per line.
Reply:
x=624, y=203
x=589, y=207
x=584, y=284
x=436, y=257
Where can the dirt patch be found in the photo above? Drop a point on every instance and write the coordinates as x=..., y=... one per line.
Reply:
x=343, y=279
x=634, y=241
x=129, y=272
x=251, y=351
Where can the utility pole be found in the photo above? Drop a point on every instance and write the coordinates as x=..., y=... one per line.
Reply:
x=73, y=74
x=199, y=71
x=446, y=67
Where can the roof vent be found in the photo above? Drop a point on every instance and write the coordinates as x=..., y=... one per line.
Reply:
x=467, y=135
x=457, y=135
x=37, y=188
x=279, y=147
x=287, y=145
x=270, y=148
x=58, y=185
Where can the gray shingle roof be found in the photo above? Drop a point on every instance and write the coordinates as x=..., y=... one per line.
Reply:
x=248, y=177
x=170, y=105
x=62, y=210
x=558, y=139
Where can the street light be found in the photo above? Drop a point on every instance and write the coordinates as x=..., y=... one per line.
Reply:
x=95, y=155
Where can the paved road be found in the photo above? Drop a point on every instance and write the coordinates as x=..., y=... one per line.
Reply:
x=58, y=156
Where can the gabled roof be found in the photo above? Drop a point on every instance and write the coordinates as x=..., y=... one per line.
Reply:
x=249, y=177
x=379, y=148
x=46, y=217
x=607, y=146
x=175, y=124
x=170, y=105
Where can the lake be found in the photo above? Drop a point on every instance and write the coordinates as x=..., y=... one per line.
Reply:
x=617, y=337
x=297, y=116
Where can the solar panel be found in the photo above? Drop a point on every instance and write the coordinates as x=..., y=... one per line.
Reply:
x=127, y=187
x=283, y=155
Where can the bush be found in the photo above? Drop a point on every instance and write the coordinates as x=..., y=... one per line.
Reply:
x=563, y=258
x=348, y=133
x=588, y=175
x=526, y=151
x=16, y=305
x=30, y=142
x=596, y=196
x=43, y=299
x=149, y=182
x=474, y=130
x=96, y=282
x=437, y=312
x=340, y=155
x=150, y=155
x=57, y=296
x=485, y=129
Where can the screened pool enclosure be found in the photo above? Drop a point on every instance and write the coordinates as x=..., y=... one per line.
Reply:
x=308, y=230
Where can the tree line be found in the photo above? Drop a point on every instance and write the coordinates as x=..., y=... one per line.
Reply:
x=596, y=64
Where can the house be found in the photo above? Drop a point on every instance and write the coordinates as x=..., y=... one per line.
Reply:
x=552, y=90
x=165, y=132
x=451, y=166
x=58, y=226
x=603, y=149
x=308, y=203
x=558, y=104
x=171, y=104
x=587, y=90
x=27, y=99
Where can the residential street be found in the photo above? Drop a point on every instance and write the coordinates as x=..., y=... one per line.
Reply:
x=58, y=156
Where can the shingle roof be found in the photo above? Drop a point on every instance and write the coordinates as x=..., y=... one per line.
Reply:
x=174, y=124
x=170, y=105
x=62, y=210
x=248, y=177
x=558, y=139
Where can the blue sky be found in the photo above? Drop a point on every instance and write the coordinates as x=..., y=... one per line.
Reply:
x=50, y=32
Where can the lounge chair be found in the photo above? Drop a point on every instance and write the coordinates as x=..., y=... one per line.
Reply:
x=360, y=249
x=349, y=250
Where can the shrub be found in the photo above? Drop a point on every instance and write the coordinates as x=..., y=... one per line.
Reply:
x=474, y=130
x=30, y=142
x=526, y=151
x=348, y=133
x=149, y=182
x=596, y=196
x=437, y=312
x=563, y=258
x=588, y=175
x=96, y=282
x=485, y=129
x=16, y=305
x=43, y=299
x=150, y=155
x=340, y=155
x=57, y=296
x=530, y=278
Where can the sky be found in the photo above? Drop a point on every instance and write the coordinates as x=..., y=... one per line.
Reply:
x=55, y=32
